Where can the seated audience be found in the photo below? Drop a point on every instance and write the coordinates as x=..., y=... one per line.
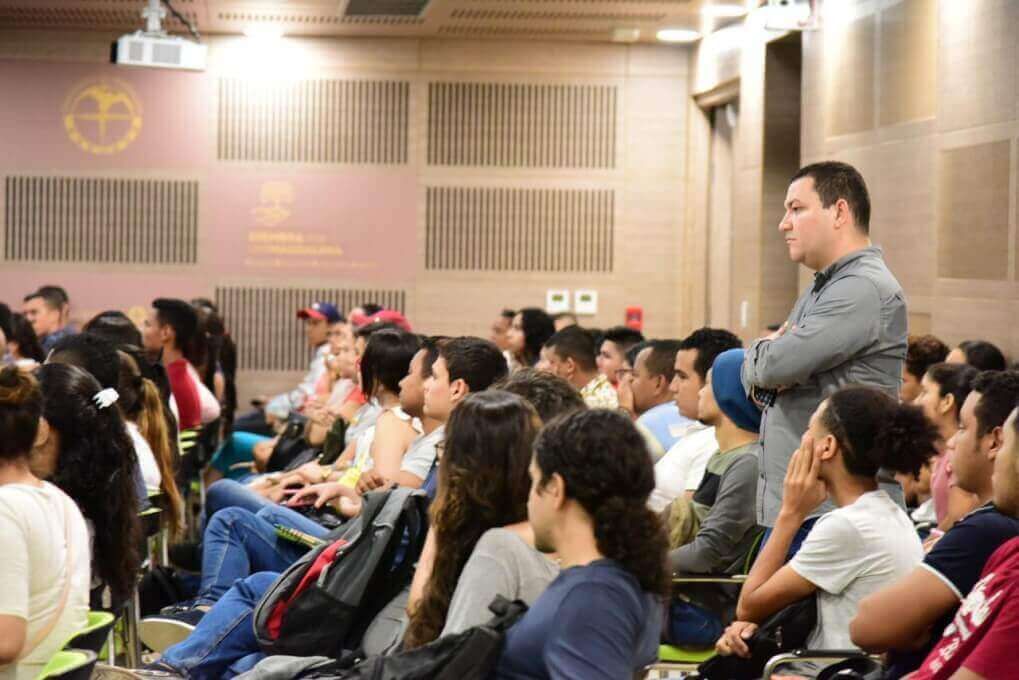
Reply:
x=99, y=358
x=150, y=433
x=22, y=344
x=718, y=530
x=564, y=320
x=910, y=615
x=47, y=310
x=527, y=334
x=681, y=469
x=551, y=396
x=980, y=641
x=601, y=617
x=6, y=330
x=615, y=343
x=500, y=329
x=943, y=391
x=658, y=417
x=482, y=484
x=86, y=452
x=980, y=354
x=317, y=318
x=570, y=355
x=170, y=332
x=43, y=540
x=922, y=352
x=865, y=544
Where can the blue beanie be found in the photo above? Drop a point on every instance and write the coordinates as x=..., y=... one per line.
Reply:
x=729, y=393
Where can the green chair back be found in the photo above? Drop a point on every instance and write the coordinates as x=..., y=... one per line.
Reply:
x=74, y=664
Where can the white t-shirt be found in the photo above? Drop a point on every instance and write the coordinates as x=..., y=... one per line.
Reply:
x=682, y=467
x=146, y=458
x=421, y=455
x=33, y=569
x=850, y=553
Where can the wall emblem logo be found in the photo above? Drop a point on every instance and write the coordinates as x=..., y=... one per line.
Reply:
x=102, y=116
x=275, y=201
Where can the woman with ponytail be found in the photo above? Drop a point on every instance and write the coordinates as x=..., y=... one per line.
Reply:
x=142, y=406
x=601, y=618
x=867, y=543
x=44, y=570
x=88, y=454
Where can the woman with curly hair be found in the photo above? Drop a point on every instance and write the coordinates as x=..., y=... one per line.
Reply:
x=89, y=456
x=866, y=543
x=601, y=618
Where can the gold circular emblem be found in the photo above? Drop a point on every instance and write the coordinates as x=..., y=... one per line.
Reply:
x=103, y=116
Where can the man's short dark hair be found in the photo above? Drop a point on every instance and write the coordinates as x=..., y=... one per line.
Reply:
x=661, y=360
x=834, y=180
x=55, y=297
x=632, y=353
x=550, y=395
x=92, y=353
x=623, y=337
x=181, y=317
x=922, y=352
x=477, y=362
x=508, y=314
x=709, y=343
x=983, y=355
x=573, y=342
x=999, y=393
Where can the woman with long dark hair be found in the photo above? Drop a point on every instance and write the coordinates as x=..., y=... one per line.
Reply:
x=89, y=455
x=43, y=540
x=483, y=485
x=23, y=343
x=530, y=329
x=866, y=543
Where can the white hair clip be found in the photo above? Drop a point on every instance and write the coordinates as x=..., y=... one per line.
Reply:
x=105, y=398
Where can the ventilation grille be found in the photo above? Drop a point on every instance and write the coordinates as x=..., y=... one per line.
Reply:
x=300, y=19
x=511, y=125
x=540, y=230
x=521, y=32
x=37, y=15
x=264, y=325
x=78, y=219
x=385, y=7
x=314, y=121
x=551, y=15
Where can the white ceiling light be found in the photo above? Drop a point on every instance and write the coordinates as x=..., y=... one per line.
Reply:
x=678, y=35
x=725, y=10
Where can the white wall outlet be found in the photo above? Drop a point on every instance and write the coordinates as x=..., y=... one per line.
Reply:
x=557, y=301
x=585, y=302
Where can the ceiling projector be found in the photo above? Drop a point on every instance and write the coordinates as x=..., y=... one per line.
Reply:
x=154, y=48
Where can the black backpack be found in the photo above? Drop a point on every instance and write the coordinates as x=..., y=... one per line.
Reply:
x=325, y=601
x=469, y=655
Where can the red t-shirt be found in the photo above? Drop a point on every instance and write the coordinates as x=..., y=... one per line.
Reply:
x=185, y=393
x=982, y=636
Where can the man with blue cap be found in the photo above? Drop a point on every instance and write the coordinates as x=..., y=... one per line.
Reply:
x=722, y=527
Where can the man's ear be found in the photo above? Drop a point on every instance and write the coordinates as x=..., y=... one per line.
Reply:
x=997, y=436
x=556, y=486
x=458, y=389
x=571, y=366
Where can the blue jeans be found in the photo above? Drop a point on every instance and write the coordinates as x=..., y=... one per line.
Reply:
x=238, y=543
x=223, y=644
x=227, y=493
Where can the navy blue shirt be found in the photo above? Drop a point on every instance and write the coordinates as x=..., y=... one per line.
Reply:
x=957, y=560
x=592, y=623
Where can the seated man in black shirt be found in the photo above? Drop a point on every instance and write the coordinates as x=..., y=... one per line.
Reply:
x=909, y=617
x=601, y=618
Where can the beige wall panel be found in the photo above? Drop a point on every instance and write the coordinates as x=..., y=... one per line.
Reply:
x=654, y=113
x=977, y=57
x=655, y=60
x=850, y=78
x=526, y=57
x=908, y=61
x=746, y=251
x=901, y=185
x=812, y=96
x=973, y=211
x=957, y=319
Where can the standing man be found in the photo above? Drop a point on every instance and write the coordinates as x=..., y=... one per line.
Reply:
x=848, y=327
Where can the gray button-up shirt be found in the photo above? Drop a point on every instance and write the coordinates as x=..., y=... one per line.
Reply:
x=850, y=328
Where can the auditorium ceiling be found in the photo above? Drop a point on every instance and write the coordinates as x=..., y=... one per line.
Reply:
x=574, y=20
